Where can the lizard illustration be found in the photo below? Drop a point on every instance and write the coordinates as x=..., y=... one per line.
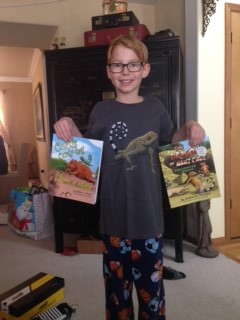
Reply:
x=140, y=145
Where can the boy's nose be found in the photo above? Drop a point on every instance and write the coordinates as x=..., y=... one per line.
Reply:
x=125, y=69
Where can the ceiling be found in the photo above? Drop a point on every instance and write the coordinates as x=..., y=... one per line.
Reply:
x=17, y=47
x=15, y=62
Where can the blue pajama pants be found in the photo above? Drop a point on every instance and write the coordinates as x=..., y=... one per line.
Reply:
x=139, y=262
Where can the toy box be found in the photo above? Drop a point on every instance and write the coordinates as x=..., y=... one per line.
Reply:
x=31, y=297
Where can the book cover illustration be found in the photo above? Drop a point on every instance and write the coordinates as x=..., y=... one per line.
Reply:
x=75, y=169
x=189, y=172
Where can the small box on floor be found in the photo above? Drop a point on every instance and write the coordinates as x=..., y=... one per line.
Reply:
x=32, y=296
x=90, y=246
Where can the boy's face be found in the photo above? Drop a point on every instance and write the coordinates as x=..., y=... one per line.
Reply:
x=127, y=83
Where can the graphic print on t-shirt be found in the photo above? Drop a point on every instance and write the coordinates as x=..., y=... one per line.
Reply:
x=138, y=146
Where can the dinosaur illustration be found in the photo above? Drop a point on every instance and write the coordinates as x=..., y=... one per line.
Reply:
x=140, y=145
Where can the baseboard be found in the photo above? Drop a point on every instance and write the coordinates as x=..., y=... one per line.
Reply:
x=191, y=239
x=219, y=241
x=215, y=242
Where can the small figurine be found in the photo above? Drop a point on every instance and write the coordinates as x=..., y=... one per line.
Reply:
x=204, y=248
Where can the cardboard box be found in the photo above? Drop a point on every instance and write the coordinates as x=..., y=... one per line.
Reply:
x=90, y=246
x=33, y=296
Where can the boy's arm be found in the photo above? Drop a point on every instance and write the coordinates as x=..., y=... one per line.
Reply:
x=191, y=131
x=65, y=129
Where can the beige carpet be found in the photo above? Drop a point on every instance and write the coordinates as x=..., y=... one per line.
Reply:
x=209, y=292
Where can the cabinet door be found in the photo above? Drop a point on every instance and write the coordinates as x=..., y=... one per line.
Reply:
x=77, y=80
x=164, y=80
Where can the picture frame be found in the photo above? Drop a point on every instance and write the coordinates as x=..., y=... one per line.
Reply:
x=38, y=113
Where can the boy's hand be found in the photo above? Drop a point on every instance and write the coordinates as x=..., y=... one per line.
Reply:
x=191, y=131
x=65, y=129
x=195, y=133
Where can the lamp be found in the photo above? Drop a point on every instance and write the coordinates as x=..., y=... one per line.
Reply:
x=208, y=8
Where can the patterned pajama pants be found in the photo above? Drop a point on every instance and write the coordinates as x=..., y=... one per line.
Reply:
x=139, y=262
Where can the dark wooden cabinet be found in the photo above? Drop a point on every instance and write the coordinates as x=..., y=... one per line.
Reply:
x=76, y=80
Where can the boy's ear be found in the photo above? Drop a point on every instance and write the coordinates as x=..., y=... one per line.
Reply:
x=146, y=70
x=108, y=72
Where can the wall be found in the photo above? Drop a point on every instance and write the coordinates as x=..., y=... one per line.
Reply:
x=42, y=146
x=73, y=17
x=205, y=79
x=170, y=14
x=19, y=110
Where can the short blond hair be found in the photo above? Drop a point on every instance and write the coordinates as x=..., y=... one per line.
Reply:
x=130, y=42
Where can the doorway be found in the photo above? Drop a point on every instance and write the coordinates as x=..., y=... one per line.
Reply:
x=232, y=120
x=21, y=37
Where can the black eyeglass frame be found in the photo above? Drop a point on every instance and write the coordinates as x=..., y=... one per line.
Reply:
x=123, y=65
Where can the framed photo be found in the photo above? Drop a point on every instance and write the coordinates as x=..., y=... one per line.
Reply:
x=38, y=112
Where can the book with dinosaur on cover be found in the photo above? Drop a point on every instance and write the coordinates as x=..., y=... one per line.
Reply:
x=189, y=172
x=75, y=169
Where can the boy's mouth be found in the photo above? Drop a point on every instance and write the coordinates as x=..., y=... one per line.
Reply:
x=126, y=81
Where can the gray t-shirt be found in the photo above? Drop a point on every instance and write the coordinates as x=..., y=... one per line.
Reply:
x=131, y=193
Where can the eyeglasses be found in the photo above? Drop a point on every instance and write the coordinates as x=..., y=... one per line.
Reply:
x=118, y=67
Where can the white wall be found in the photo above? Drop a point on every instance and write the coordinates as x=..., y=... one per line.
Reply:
x=73, y=17
x=170, y=14
x=205, y=88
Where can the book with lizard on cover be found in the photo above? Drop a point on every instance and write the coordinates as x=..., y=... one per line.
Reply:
x=189, y=172
x=75, y=168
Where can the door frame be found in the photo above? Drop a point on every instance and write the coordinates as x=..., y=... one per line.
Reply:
x=229, y=8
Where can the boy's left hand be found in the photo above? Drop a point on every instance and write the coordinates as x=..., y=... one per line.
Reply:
x=191, y=131
x=195, y=133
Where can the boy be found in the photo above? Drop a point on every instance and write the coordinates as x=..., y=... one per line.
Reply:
x=131, y=223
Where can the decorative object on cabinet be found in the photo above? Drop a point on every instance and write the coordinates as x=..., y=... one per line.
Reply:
x=162, y=34
x=106, y=36
x=38, y=112
x=208, y=9
x=114, y=20
x=114, y=6
x=77, y=80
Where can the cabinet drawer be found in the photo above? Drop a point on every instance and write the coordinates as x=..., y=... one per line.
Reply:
x=73, y=216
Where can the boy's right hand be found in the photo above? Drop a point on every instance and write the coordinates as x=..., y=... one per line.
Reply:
x=65, y=129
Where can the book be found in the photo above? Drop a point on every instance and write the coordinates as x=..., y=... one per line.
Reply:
x=189, y=172
x=75, y=169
